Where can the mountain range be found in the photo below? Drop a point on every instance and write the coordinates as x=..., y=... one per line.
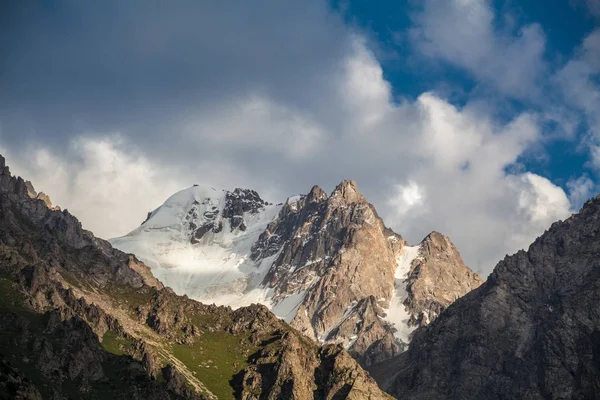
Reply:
x=326, y=264
x=220, y=294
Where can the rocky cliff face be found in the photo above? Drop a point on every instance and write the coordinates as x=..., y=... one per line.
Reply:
x=531, y=331
x=437, y=277
x=327, y=264
x=79, y=319
x=336, y=254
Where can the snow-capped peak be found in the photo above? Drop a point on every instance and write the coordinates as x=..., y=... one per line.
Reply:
x=177, y=207
x=199, y=240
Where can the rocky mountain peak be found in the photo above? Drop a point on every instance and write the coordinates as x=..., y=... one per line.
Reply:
x=348, y=191
x=338, y=262
x=316, y=194
x=14, y=184
x=237, y=203
x=19, y=186
x=438, y=240
x=437, y=277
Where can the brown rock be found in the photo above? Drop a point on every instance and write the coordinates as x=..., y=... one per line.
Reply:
x=531, y=331
x=337, y=251
x=437, y=278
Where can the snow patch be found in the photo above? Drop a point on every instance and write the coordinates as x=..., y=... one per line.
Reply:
x=215, y=270
x=287, y=307
x=397, y=314
x=351, y=342
x=292, y=202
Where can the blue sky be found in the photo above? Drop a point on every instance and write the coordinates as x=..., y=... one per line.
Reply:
x=475, y=118
x=565, y=25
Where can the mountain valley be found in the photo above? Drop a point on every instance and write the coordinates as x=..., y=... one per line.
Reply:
x=349, y=310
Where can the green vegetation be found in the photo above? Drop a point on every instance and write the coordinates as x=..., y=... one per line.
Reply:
x=72, y=280
x=116, y=344
x=10, y=297
x=204, y=320
x=130, y=298
x=215, y=358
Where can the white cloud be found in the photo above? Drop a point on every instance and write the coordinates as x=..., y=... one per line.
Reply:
x=579, y=84
x=463, y=33
x=580, y=190
x=408, y=198
x=255, y=123
x=540, y=200
x=364, y=91
x=99, y=181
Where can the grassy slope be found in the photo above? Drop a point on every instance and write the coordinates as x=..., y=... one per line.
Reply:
x=114, y=386
x=215, y=358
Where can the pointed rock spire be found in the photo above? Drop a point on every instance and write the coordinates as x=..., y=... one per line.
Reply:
x=348, y=191
x=438, y=276
x=316, y=194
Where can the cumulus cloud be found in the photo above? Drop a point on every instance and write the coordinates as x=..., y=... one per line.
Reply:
x=540, y=200
x=464, y=33
x=108, y=188
x=467, y=192
x=408, y=198
x=578, y=82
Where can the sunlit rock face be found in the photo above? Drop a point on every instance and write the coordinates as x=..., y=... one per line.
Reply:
x=326, y=264
x=532, y=330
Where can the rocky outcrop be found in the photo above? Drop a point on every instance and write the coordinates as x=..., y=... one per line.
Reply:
x=79, y=319
x=437, y=278
x=531, y=331
x=207, y=216
x=239, y=202
x=144, y=272
x=15, y=385
x=299, y=370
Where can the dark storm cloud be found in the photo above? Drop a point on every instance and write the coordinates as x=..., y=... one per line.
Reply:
x=137, y=67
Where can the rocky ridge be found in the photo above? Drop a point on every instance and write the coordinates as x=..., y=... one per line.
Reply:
x=327, y=264
x=531, y=331
x=80, y=319
x=437, y=278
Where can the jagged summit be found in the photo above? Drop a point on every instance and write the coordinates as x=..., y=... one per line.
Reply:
x=327, y=264
x=18, y=185
x=437, y=278
x=348, y=190
x=532, y=330
x=435, y=237
x=316, y=194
